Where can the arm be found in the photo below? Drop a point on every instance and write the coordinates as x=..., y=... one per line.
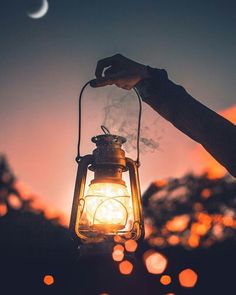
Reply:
x=216, y=134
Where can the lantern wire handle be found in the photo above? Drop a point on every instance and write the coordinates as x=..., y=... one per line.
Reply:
x=104, y=129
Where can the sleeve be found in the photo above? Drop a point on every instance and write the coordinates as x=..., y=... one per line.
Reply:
x=216, y=134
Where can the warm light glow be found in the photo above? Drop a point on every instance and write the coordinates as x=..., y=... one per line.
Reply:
x=48, y=280
x=178, y=223
x=188, y=278
x=199, y=228
x=117, y=255
x=118, y=248
x=155, y=262
x=118, y=239
x=14, y=201
x=3, y=210
x=107, y=206
x=173, y=240
x=156, y=241
x=165, y=280
x=160, y=182
x=131, y=245
x=206, y=193
x=228, y=221
x=25, y=191
x=148, y=228
x=126, y=267
x=194, y=241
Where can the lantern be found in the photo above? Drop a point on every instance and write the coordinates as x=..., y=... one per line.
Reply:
x=105, y=209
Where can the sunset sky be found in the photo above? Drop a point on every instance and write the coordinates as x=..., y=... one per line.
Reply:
x=45, y=62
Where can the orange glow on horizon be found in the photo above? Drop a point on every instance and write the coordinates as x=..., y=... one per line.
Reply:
x=155, y=262
x=48, y=280
x=212, y=167
x=126, y=267
x=188, y=278
x=160, y=182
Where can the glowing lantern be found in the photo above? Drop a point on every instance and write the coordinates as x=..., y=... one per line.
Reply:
x=105, y=210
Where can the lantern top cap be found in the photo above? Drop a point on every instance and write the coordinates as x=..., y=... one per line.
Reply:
x=107, y=139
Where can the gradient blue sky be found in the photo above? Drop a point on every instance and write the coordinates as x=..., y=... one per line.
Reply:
x=45, y=62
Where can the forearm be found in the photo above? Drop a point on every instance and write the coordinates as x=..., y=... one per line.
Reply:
x=216, y=134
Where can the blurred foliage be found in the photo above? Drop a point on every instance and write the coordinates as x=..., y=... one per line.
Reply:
x=192, y=211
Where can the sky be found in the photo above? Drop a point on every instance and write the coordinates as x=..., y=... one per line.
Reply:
x=45, y=62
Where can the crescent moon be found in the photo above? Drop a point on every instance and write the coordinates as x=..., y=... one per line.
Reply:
x=41, y=12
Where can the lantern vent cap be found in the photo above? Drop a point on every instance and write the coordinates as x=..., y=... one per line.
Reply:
x=108, y=139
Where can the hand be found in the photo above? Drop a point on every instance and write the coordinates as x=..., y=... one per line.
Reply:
x=119, y=70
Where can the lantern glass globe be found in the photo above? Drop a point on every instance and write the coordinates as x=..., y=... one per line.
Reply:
x=107, y=206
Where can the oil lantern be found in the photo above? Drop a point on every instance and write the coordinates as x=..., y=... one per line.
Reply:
x=104, y=209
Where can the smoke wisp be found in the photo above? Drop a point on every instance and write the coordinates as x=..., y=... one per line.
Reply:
x=121, y=117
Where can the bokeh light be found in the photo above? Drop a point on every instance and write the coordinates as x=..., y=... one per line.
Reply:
x=155, y=262
x=148, y=228
x=206, y=193
x=48, y=280
x=178, y=223
x=173, y=240
x=3, y=210
x=118, y=247
x=14, y=201
x=188, y=278
x=165, y=280
x=126, y=267
x=118, y=255
x=117, y=239
x=131, y=245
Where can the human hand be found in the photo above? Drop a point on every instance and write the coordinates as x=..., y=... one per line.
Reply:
x=119, y=70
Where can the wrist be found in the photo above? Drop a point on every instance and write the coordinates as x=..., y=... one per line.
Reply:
x=145, y=73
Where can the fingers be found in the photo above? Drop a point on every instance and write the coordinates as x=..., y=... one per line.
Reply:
x=104, y=63
x=99, y=82
x=108, y=80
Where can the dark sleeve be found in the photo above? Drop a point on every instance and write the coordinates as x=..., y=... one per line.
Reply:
x=216, y=134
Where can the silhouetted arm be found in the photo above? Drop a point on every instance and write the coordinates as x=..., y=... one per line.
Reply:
x=216, y=134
